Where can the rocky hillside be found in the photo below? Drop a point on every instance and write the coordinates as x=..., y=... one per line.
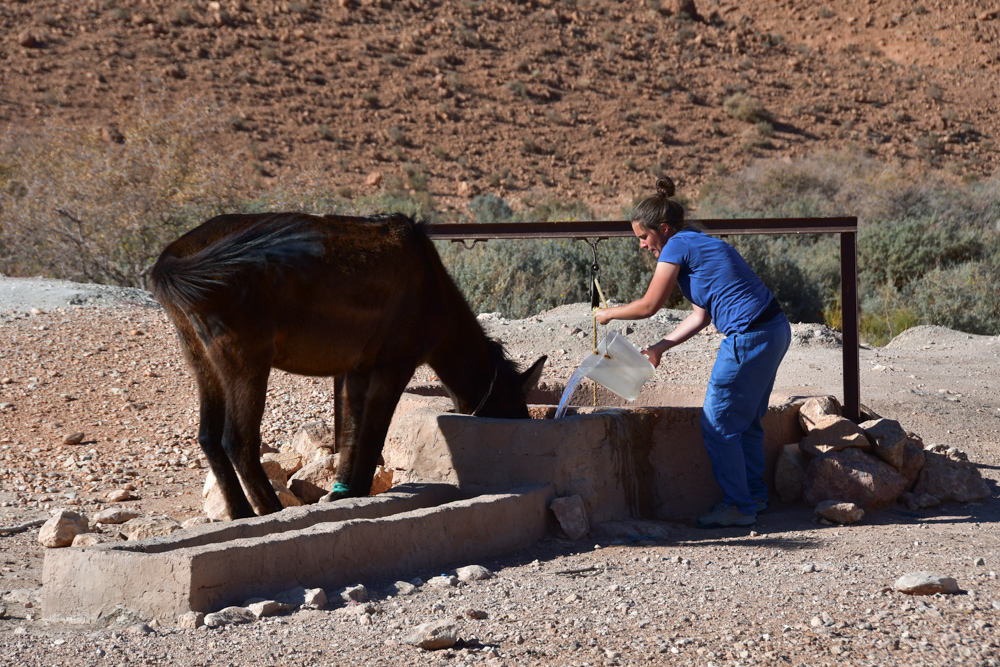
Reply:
x=579, y=99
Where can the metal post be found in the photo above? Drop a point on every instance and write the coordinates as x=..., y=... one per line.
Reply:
x=849, y=320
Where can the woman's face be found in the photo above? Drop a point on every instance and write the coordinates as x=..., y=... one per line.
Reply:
x=651, y=241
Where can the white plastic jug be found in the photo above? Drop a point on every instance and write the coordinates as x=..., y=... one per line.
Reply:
x=618, y=366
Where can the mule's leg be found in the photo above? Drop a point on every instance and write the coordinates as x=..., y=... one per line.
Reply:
x=384, y=389
x=349, y=408
x=338, y=413
x=246, y=393
x=212, y=405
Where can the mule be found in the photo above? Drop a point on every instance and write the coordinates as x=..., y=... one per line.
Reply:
x=364, y=299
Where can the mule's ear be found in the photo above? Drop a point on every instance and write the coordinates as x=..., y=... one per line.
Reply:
x=530, y=377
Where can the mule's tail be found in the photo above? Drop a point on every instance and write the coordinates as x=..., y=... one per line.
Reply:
x=276, y=242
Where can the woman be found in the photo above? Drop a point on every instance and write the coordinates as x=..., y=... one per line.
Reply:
x=723, y=289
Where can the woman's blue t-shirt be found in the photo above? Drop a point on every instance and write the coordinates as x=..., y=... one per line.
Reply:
x=715, y=277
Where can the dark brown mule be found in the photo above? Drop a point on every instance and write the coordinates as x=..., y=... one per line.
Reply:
x=364, y=299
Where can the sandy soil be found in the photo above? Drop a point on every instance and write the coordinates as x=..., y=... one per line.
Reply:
x=536, y=99
x=786, y=591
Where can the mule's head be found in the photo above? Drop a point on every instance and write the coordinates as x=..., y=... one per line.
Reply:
x=508, y=395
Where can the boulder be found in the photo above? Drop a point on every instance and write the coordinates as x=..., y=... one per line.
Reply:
x=289, y=460
x=838, y=512
x=925, y=583
x=852, y=476
x=62, y=528
x=149, y=526
x=833, y=434
x=812, y=410
x=790, y=473
x=312, y=436
x=572, y=516
x=315, y=479
x=913, y=459
x=887, y=438
x=950, y=480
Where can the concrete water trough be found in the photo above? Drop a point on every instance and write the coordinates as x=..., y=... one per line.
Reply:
x=467, y=488
x=329, y=545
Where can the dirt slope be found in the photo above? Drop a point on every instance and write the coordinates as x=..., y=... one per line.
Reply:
x=524, y=99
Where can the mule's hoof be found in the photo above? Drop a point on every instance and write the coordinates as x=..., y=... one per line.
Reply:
x=333, y=495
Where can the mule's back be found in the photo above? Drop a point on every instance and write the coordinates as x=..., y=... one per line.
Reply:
x=327, y=291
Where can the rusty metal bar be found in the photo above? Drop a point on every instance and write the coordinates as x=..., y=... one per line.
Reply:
x=849, y=324
x=474, y=231
x=847, y=227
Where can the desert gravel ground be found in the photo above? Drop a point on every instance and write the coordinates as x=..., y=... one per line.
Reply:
x=105, y=362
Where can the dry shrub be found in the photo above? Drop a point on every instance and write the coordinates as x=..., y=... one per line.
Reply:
x=78, y=207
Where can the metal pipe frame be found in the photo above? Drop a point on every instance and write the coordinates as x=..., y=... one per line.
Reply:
x=847, y=227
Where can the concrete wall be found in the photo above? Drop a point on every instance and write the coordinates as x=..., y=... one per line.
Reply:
x=644, y=462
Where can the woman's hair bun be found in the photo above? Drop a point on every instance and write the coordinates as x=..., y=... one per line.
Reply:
x=665, y=187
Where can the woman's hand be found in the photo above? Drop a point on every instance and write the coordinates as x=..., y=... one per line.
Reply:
x=653, y=354
x=603, y=315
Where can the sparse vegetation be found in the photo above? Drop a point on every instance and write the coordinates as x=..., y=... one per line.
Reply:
x=743, y=107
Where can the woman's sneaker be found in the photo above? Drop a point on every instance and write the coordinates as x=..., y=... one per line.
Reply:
x=761, y=505
x=723, y=515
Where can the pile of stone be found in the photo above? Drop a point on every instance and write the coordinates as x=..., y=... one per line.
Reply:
x=846, y=469
x=66, y=528
x=301, y=472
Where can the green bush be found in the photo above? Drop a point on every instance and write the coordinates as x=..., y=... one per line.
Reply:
x=924, y=238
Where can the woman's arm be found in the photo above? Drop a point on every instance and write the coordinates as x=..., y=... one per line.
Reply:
x=692, y=324
x=660, y=287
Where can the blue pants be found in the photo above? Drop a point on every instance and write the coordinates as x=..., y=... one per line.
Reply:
x=735, y=402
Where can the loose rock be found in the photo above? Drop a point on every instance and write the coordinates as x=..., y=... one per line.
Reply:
x=151, y=526
x=90, y=539
x=434, y=635
x=814, y=409
x=303, y=597
x=572, y=516
x=838, y=512
x=115, y=515
x=230, y=616
x=191, y=620
x=951, y=480
x=473, y=573
x=356, y=593
x=119, y=496
x=790, y=473
x=833, y=434
x=402, y=588
x=314, y=480
x=60, y=530
x=312, y=436
x=925, y=583
x=887, y=438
